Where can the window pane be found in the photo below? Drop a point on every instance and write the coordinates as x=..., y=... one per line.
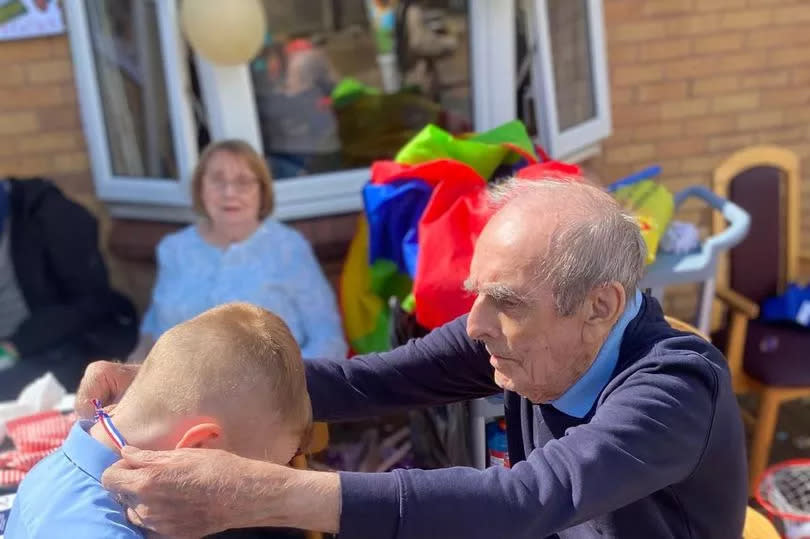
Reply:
x=129, y=67
x=573, y=73
x=341, y=83
x=525, y=51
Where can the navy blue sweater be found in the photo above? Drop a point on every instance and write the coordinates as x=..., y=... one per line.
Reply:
x=660, y=455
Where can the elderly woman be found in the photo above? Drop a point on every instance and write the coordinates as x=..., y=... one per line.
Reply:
x=238, y=253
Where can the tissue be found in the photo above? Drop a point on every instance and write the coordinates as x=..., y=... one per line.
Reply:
x=44, y=393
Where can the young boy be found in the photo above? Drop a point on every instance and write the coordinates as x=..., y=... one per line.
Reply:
x=231, y=378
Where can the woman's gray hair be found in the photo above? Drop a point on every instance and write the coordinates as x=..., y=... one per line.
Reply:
x=594, y=243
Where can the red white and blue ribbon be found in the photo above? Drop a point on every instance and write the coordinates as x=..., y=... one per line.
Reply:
x=106, y=422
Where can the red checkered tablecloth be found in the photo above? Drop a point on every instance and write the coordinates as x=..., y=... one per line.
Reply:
x=34, y=437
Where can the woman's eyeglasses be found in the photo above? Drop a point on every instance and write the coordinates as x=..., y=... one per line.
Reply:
x=240, y=185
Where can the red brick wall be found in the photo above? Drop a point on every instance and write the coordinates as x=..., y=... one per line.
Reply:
x=40, y=131
x=694, y=80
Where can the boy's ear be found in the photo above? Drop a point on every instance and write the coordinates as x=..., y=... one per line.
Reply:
x=205, y=435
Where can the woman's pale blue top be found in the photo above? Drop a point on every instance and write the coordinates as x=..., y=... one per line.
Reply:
x=273, y=268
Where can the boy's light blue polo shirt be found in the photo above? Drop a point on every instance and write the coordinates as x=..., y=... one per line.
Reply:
x=62, y=496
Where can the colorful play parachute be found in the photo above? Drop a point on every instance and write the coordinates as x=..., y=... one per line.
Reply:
x=423, y=212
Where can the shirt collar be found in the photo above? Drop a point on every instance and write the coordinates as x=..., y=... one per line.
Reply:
x=579, y=398
x=87, y=453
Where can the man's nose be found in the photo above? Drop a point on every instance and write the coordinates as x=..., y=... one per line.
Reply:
x=481, y=322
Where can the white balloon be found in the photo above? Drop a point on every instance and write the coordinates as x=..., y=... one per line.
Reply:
x=225, y=33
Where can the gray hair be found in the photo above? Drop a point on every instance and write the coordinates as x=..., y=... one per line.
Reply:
x=595, y=243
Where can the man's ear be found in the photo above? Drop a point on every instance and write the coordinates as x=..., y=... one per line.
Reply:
x=603, y=308
x=202, y=435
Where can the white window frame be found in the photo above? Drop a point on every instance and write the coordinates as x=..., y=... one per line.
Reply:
x=227, y=94
x=492, y=80
x=128, y=189
x=580, y=139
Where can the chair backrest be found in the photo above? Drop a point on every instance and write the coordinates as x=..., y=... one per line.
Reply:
x=757, y=526
x=680, y=325
x=764, y=181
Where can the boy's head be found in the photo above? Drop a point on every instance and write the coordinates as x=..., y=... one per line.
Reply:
x=231, y=378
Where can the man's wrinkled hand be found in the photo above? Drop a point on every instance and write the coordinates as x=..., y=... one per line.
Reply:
x=189, y=492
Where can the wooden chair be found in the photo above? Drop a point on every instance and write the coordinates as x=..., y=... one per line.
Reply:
x=680, y=325
x=764, y=358
x=757, y=526
x=317, y=443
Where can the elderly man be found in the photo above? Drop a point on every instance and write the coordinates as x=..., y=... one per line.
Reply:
x=618, y=425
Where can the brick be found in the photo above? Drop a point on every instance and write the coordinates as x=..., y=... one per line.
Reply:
x=706, y=66
x=635, y=31
x=719, y=43
x=51, y=141
x=791, y=96
x=730, y=142
x=710, y=125
x=665, y=48
x=24, y=50
x=71, y=161
x=788, y=56
x=18, y=122
x=735, y=102
x=768, y=79
x=631, y=153
x=782, y=135
x=13, y=75
x=623, y=96
x=653, y=8
x=719, y=5
x=631, y=115
x=657, y=131
x=623, y=53
x=715, y=85
x=49, y=71
x=58, y=118
x=750, y=18
x=746, y=61
x=622, y=9
x=759, y=120
x=663, y=91
x=689, y=68
x=684, y=109
x=680, y=148
x=60, y=47
x=28, y=165
x=31, y=97
x=630, y=75
x=692, y=24
x=797, y=116
x=801, y=75
x=704, y=164
x=792, y=14
x=8, y=145
x=778, y=36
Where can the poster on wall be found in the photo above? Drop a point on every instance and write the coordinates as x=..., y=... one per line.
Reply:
x=20, y=19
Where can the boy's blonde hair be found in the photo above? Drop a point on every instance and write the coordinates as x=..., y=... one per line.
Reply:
x=236, y=362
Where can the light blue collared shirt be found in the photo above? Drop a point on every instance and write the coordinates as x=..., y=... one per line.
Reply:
x=62, y=495
x=579, y=398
